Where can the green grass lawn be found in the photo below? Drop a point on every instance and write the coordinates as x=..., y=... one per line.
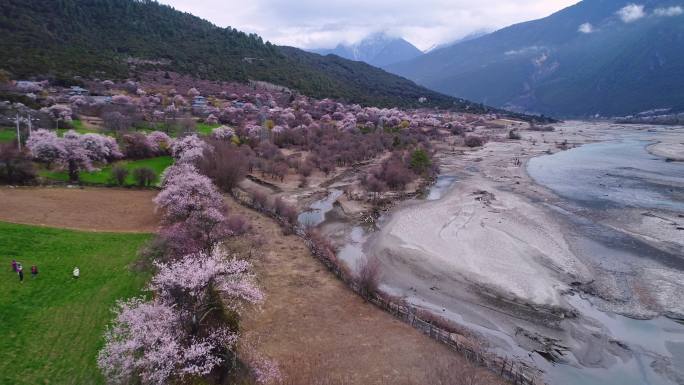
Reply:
x=80, y=128
x=51, y=327
x=8, y=134
x=147, y=127
x=205, y=128
x=104, y=176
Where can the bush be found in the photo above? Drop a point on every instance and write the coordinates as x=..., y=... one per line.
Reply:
x=474, y=141
x=225, y=165
x=279, y=170
x=15, y=166
x=285, y=210
x=238, y=225
x=305, y=169
x=260, y=199
x=513, y=134
x=136, y=146
x=119, y=174
x=369, y=277
x=420, y=161
x=395, y=173
x=144, y=176
x=374, y=185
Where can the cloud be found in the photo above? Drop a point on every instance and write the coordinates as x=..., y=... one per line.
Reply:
x=524, y=50
x=586, y=28
x=670, y=11
x=631, y=12
x=324, y=24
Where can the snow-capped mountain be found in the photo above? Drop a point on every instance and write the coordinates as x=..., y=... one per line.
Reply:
x=378, y=50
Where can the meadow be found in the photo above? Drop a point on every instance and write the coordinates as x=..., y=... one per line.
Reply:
x=104, y=175
x=52, y=325
x=205, y=128
x=7, y=134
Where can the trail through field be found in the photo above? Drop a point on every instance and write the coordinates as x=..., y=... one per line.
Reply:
x=88, y=209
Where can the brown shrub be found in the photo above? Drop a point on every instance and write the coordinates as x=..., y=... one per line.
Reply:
x=225, y=165
x=513, y=134
x=474, y=141
x=15, y=166
x=368, y=277
x=119, y=174
x=260, y=200
x=238, y=225
x=286, y=211
x=144, y=176
x=136, y=146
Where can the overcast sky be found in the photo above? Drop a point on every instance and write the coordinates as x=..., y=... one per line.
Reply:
x=324, y=23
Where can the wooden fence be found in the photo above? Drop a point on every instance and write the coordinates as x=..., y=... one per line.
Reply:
x=516, y=372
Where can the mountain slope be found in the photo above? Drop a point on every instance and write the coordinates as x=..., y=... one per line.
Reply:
x=470, y=36
x=102, y=38
x=378, y=50
x=552, y=66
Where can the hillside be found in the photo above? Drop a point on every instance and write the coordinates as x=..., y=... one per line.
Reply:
x=581, y=61
x=109, y=38
x=378, y=50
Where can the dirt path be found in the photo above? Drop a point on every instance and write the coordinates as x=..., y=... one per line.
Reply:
x=90, y=209
x=321, y=332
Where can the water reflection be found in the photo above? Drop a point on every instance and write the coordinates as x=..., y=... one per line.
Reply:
x=317, y=211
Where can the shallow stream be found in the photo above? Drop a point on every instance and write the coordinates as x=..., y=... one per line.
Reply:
x=595, y=177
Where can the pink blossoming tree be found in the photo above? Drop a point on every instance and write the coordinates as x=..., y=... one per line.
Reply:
x=223, y=133
x=170, y=337
x=73, y=151
x=159, y=142
x=45, y=146
x=186, y=192
x=188, y=149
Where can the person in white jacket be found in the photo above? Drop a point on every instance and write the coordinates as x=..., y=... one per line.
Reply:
x=77, y=272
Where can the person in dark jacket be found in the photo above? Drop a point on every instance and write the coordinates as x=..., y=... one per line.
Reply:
x=14, y=265
x=34, y=271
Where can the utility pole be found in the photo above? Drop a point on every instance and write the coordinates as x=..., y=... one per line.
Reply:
x=29, y=123
x=18, y=134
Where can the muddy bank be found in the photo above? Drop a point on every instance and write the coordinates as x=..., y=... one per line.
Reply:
x=540, y=273
x=670, y=146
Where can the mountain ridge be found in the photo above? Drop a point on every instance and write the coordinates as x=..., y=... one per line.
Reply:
x=378, y=50
x=106, y=38
x=555, y=67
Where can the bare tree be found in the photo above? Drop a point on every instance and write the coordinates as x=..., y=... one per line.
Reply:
x=224, y=164
x=369, y=276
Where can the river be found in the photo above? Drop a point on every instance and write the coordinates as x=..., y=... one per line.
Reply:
x=607, y=242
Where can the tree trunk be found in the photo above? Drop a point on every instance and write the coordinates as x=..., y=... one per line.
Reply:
x=73, y=171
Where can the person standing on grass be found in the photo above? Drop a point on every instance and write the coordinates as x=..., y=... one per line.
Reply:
x=14, y=265
x=20, y=270
x=77, y=272
x=34, y=271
